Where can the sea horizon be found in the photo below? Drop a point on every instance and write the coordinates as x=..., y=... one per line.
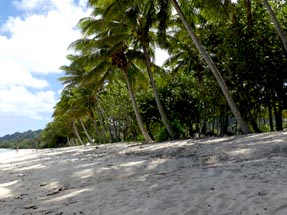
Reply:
x=6, y=151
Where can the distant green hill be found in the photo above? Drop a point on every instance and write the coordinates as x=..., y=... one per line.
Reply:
x=27, y=139
x=18, y=136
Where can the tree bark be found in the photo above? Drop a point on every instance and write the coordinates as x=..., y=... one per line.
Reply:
x=278, y=117
x=98, y=134
x=137, y=113
x=103, y=117
x=68, y=141
x=101, y=121
x=243, y=125
x=86, y=132
x=156, y=96
x=73, y=142
x=77, y=133
x=270, y=118
x=269, y=105
x=278, y=28
x=249, y=14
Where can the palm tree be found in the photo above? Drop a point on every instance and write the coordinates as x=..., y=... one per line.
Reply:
x=216, y=73
x=144, y=24
x=278, y=28
x=85, y=93
x=122, y=6
x=104, y=56
x=134, y=28
x=65, y=110
x=77, y=133
x=120, y=60
x=74, y=76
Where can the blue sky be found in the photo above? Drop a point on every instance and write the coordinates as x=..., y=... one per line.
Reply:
x=34, y=36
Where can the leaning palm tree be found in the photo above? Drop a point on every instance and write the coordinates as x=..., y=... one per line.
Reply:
x=143, y=22
x=243, y=125
x=277, y=25
x=65, y=110
x=135, y=29
x=85, y=98
x=123, y=6
x=104, y=58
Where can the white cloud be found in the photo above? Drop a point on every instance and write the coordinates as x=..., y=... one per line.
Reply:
x=16, y=74
x=29, y=5
x=35, y=42
x=19, y=101
x=40, y=41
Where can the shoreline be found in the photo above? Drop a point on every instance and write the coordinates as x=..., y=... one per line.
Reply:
x=228, y=175
x=15, y=155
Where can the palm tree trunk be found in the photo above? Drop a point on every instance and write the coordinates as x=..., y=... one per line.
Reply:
x=249, y=14
x=86, y=132
x=155, y=92
x=72, y=141
x=137, y=113
x=77, y=133
x=278, y=28
x=98, y=133
x=68, y=141
x=270, y=114
x=216, y=73
x=102, y=112
x=278, y=117
x=101, y=119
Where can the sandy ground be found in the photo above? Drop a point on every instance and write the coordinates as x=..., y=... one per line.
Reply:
x=229, y=175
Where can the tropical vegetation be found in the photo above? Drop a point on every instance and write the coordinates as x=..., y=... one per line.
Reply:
x=226, y=72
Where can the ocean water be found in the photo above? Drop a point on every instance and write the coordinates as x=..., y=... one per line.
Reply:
x=6, y=151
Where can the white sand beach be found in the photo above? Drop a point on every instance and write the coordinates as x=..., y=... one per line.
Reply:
x=228, y=175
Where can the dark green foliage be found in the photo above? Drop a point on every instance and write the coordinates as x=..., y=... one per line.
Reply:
x=239, y=38
x=177, y=126
x=253, y=62
x=28, y=139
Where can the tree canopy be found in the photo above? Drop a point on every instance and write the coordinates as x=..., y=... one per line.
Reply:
x=226, y=72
